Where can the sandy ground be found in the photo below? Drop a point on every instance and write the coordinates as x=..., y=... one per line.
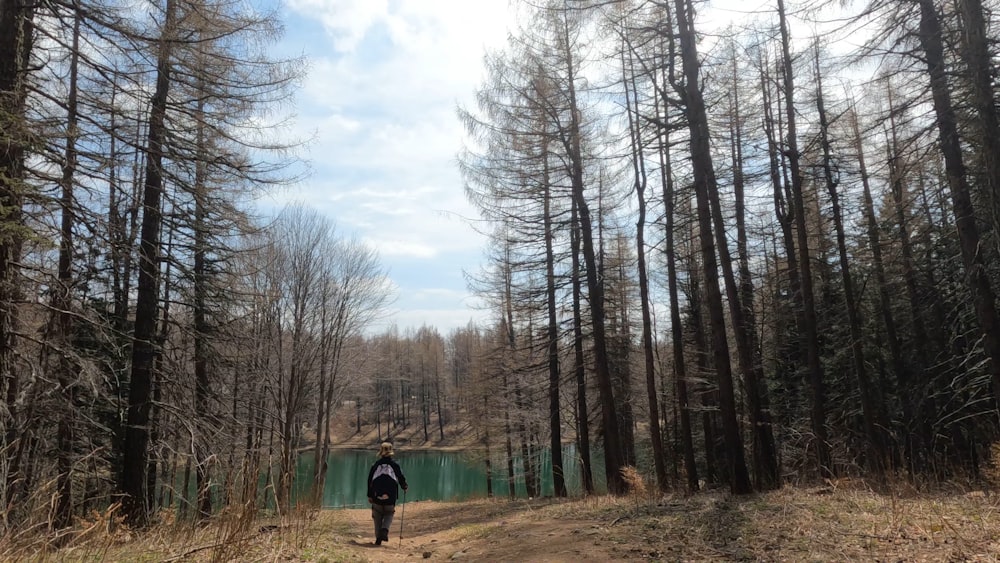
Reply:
x=486, y=531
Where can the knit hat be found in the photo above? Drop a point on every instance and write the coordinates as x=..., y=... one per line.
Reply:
x=385, y=450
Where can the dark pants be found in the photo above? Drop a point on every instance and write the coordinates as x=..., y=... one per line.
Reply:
x=382, y=515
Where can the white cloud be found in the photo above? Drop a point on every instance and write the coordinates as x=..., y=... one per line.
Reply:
x=444, y=320
x=346, y=20
x=389, y=248
x=379, y=104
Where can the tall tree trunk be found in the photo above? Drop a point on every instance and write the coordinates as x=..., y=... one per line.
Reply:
x=977, y=277
x=808, y=328
x=156, y=384
x=133, y=480
x=488, y=453
x=979, y=73
x=505, y=368
x=619, y=340
x=297, y=372
x=508, y=441
x=649, y=362
x=579, y=367
x=676, y=323
x=613, y=454
x=707, y=392
x=202, y=383
x=869, y=407
x=16, y=25
x=184, y=501
x=704, y=185
x=425, y=406
x=899, y=367
x=552, y=335
x=922, y=343
x=122, y=226
x=489, y=465
x=662, y=106
x=322, y=403
x=787, y=342
x=339, y=337
x=524, y=424
x=765, y=458
x=440, y=412
x=62, y=298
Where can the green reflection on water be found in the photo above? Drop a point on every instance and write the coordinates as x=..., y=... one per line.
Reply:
x=432, y=475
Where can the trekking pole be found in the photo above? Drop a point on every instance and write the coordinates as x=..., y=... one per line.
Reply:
x=401, y=515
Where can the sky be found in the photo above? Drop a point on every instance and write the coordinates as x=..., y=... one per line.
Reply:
x=385, y=78
x=379, y=109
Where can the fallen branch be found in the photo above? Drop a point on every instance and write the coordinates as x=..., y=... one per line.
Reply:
x=619, y=519
x=192, y=551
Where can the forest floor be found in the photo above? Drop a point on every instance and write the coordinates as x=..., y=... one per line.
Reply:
x=836, y=522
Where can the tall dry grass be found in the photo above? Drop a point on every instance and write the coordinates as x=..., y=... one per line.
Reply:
x=231, y=535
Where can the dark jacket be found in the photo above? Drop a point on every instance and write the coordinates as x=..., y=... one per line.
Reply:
x=384, y=480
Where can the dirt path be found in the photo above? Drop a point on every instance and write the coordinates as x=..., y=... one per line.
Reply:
x=817, y=524
x=824, y=523
x=485, y=531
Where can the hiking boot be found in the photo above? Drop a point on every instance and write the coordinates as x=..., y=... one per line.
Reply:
x=385, y=535
x=378, y=540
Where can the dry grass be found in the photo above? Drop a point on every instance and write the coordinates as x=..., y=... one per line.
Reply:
x=467, y=532
x=227, y=537
x=837, y=522
x=818, y=524
x=840, y=521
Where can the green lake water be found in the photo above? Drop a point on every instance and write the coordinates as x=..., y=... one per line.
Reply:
x=431, y=475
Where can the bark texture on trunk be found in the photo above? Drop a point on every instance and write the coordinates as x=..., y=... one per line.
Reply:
x=808, y=320
x=977, y=277
x=136, y=443
x=704, y=185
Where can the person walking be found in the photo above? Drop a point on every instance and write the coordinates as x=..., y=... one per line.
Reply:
x=384, y=480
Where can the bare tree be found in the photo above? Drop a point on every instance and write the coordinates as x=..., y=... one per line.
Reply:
x=704, y=185
x=869, y=403
x=135, y=459
x=808, y=320
x=631, y=90
x=984, y=299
